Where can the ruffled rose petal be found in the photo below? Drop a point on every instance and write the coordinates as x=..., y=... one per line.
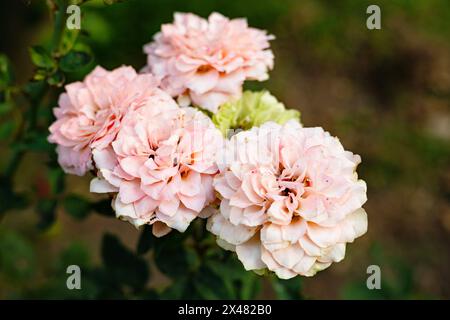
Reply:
x=249, y=253
x=208, y=60
x=296, y=189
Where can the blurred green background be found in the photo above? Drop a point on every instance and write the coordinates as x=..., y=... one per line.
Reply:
x=385, y=93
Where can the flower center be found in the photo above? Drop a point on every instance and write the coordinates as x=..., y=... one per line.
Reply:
x=204, y=69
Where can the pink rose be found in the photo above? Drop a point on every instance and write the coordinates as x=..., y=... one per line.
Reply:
x=207, y=61
x=161, y=165
x=89, y=113
x=291, y=199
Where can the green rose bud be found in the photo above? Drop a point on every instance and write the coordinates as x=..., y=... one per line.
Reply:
x=252, y=109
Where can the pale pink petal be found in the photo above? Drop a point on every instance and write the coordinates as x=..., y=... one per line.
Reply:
x=101, y=186
x=160, y=229
x=249, y=253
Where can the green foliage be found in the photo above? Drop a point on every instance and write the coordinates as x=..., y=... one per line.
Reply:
x=75, y=60
x=77, y=206
x=287, y=289
x=10, y=199
x=17, y=258
x=123, y=267
x=75, y=254
x=41, y=58
x=103, y=207
x=171, y=258
x=46, y=209
x=6, y=72
x=146, y=240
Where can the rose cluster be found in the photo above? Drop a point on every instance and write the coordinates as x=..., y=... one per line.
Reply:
x=182, y=140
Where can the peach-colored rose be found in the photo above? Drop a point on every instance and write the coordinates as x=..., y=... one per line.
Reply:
x=161, y=165
x=89, y=113
x=207, y=61
x=291, y=199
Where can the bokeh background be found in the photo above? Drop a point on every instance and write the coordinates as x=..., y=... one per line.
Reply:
x=385, y=93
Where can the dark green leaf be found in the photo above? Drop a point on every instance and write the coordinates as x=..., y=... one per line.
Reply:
x=122, y=265
x=240, y=283
x=210, y=285
x=149, y=294
x=76, y=206
x=171, y=257
x=6, y=73
x=103, y=207
x=251, y=285
x=5, y=107
x=56, y=180
x=287, y=289
x=8, y=198
x=17, y=259
x=6, y=129
x=41, y=57
x=36, y=141
x=46, y=210
x=179, y=289
x=56, y=79
x=146, y=240
x=75, y=254
x=68, y=40
x=35, y=89
x=110, y=2
x=75, y=60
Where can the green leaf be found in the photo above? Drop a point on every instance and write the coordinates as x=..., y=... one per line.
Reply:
x=171, y=256
x=76, y=206
x=68, y=40
x=122, y=265
x=36, y=141
x=5, y=107
x=75, y=60
x=46, y=210
x=287, y=289
x=110, y=2
x=103, y=207
x=56, y=180
x=35, y=89
x=146, y=240
x=40, y=75
x=180, y=288
x=56, y=79
x=75, y=254
x=17, y=258
x=8, y=198
x=6, y=129
x=251, y=285
x=41, y=57
x=240, y=283
x=209, y=285
x=6, y=73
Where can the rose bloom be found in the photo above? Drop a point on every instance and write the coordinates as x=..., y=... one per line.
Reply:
x=161, y=165
x=207, y=61
x=89, y=113
x=291, y=199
